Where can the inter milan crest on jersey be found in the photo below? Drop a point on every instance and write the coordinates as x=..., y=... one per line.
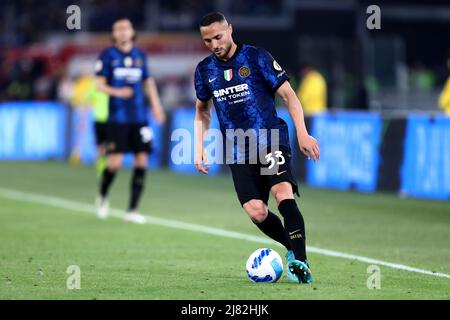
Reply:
x=228, y=74
x=244, y=72
x=128, y=61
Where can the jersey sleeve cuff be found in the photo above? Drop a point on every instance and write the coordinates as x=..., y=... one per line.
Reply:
x=282, y=80
x=203, y=99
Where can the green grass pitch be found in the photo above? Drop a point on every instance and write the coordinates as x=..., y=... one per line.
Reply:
x=119, y=260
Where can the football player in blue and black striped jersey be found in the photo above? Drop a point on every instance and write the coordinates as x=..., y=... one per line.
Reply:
x=122, y=73
x=242, y=81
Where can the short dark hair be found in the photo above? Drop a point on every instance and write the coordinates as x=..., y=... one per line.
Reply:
x=212, y=17
x=121, y=19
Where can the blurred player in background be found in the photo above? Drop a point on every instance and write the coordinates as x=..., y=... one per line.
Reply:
x=80, y=100
x=444, y=98
x=122, y=73
x=312, y=90
x=99, y=102
x=253, y=77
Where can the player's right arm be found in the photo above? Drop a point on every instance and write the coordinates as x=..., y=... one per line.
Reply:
x=123, y=92
x=202, y=119
x=277, y=79
x=308, y=144
x=201, y=125
x=103, y=70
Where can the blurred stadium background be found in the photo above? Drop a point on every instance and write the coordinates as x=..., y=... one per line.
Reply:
x=383, y=130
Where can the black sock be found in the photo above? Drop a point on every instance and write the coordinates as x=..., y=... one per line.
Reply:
x=107, y=179
x=273, y=228
x=137, y=185
x=294, y=226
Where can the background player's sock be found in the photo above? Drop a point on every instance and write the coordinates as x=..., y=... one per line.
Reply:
x=294, y=226
x=137, y=185
x=107, y=179
x=273, y=228
x=100, y=165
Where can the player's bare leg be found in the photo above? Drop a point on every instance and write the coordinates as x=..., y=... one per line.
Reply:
x=295, y=229
x=137, y=186
x=114, y=162
x=267, y=221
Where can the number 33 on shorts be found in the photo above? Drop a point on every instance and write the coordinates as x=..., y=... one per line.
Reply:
x=275, y=158
x=146, y=134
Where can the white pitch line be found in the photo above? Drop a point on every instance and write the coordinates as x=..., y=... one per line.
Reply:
x=87, y=208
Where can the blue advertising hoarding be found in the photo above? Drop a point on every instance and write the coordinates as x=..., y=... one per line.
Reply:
x=426, y=165
x=38, y=131
x=349, y=144
x=32, y=130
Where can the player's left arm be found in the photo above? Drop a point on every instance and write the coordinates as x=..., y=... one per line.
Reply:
x=308, y=144
x=152, y=92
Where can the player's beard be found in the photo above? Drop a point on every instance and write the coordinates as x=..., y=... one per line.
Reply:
x=225, y=53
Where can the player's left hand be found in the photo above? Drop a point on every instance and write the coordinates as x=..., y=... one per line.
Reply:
x=202, y=165
x=309, y=146
x=159, y=115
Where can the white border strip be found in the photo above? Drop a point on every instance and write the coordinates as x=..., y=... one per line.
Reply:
x=87, y=208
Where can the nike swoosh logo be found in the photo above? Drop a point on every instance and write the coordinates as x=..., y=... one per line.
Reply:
x=211, y=80
x=291, y=233
x=280, y=173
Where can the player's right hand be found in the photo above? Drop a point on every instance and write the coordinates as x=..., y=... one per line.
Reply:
x=309, y=146
x=124, y=92
x=202, y=166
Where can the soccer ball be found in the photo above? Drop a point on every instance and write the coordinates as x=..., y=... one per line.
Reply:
x=264, y=265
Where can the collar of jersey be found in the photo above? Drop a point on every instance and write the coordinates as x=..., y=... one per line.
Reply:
x=124, y=53
x=235, y=54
